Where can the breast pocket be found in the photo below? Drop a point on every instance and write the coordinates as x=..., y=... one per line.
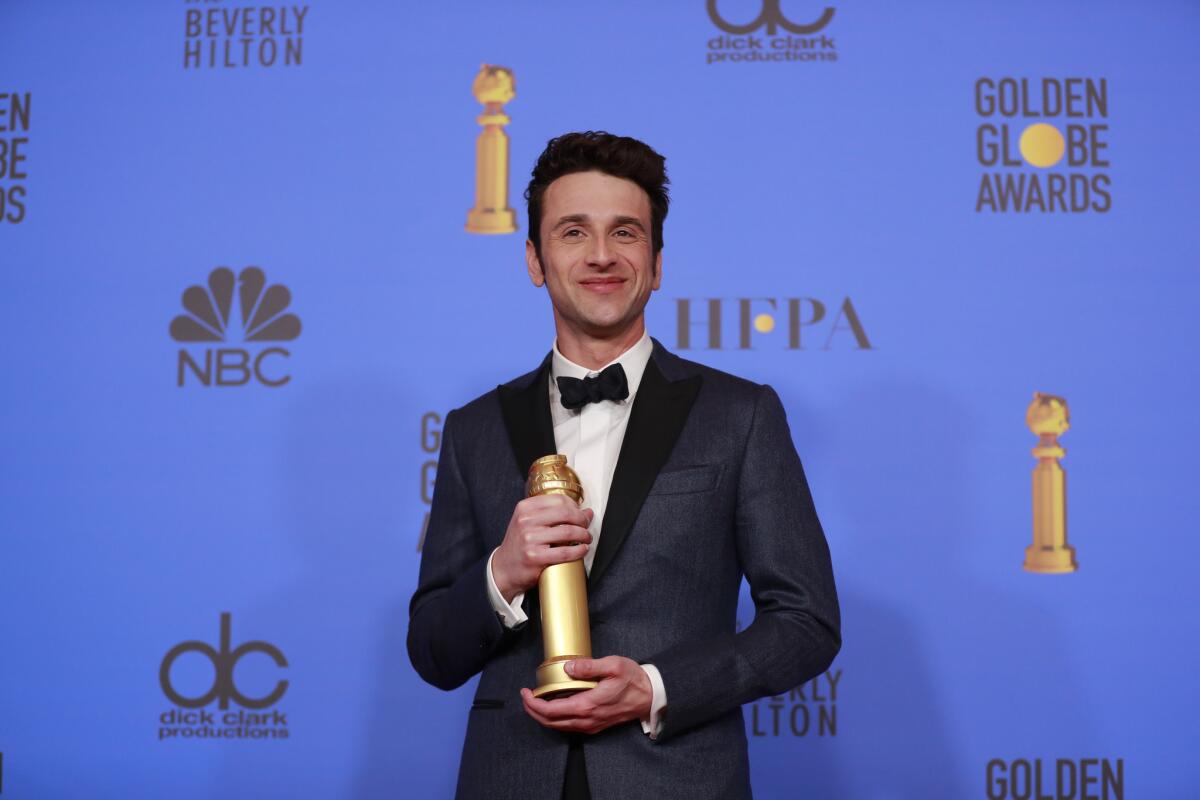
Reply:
x=688, y=480
x=486, y=704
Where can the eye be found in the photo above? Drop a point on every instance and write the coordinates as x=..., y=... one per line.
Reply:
x=572, y=233
x=625, y=233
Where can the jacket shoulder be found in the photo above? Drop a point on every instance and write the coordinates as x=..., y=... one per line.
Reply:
x=486, y=407
x=713, y=382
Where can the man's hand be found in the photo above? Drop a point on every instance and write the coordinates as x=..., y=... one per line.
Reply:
x=544, y=530
x=624, y=694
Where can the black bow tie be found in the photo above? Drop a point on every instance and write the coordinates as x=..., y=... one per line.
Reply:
x=610, y=384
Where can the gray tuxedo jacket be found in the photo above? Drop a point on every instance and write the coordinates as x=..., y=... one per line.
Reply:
x=707, y=488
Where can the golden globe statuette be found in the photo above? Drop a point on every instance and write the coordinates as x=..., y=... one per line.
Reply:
x=562, y=592
x=493, y=87
x=1048, y=417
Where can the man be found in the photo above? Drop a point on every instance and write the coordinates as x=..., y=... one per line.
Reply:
x=690, y=482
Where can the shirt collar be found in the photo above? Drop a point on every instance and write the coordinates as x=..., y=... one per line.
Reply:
x=633, y=361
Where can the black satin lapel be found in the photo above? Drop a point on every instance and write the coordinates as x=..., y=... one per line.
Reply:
x=659, y=412
x=527, y=417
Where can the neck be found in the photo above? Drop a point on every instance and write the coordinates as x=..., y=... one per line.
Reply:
x=595, y=352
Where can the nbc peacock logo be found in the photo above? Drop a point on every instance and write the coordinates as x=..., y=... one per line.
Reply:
x=261, y=316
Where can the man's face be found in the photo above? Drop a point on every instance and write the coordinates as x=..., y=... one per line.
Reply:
x=597, y=259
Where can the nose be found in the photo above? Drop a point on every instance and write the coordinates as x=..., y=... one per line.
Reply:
x=600, y=254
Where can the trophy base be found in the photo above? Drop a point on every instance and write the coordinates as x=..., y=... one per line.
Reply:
x=554, y=682
x=1050, y=560
x=491, y=220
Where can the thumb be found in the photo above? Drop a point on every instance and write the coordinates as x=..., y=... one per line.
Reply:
x=581, y=668
x=594, y=668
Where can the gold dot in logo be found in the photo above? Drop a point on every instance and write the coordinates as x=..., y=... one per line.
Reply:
x=764, y=323
x=1042, y=145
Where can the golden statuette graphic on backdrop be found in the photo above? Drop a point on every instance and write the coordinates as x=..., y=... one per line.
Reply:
x=493, y=87
x=1048, y=417
x=562, y=592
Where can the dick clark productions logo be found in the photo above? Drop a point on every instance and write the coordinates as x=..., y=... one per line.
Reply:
x=739, y=45
x=262, y=312
x=190, y=719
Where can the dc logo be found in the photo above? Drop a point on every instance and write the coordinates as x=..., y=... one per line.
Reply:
x=223, y=661
x=771, y=16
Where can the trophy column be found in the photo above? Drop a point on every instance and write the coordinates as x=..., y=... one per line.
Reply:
x=1047, y=417
x=562, y=592
x=493, y=87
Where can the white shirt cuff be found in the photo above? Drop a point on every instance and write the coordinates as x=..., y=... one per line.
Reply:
x=511, y=613
x=658, y=703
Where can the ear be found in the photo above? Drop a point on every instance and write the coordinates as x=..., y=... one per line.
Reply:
x=534, y=265
x=657, y=271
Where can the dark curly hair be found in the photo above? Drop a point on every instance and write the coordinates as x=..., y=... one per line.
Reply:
x=619, y=156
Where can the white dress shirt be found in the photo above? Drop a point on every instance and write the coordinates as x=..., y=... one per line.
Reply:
x=590, y=437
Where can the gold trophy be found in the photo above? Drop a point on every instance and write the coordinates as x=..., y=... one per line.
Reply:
x=1048, y=417
x=493, y=88
x=562, y=592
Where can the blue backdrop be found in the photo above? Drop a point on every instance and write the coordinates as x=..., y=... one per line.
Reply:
x=870, y=169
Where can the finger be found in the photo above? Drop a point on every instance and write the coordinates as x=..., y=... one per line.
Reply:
x=532, y=512
x=541, y=557
x=562, y=555
x=543, y=501
x=595, y=668
x=556, y=710
x=541, y=520
x=540, y=719
x=577, y=706
x=569, y=515
x=565, y=725
x=546, y=506
x=536, y=709
x=560, y=535
x=595, y=720
x=557, y=502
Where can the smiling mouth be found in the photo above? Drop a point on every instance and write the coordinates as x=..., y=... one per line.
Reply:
x=602, y=285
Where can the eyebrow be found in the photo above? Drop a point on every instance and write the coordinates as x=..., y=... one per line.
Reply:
x=571, y=219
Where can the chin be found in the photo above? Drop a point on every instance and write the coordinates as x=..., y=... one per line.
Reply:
x=607, y=328
x=607, y=321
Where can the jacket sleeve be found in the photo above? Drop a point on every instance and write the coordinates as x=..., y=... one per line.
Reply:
x=796, y=630
x=452, y=628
